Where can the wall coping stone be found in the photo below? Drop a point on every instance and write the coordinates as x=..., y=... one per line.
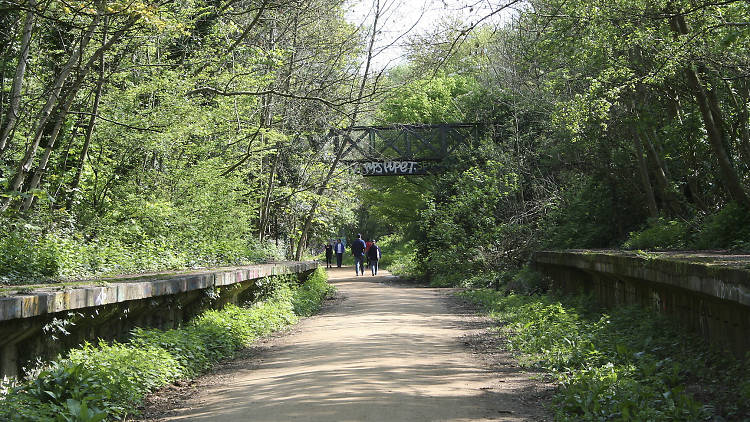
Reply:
x=52, y=299
x=720, y=275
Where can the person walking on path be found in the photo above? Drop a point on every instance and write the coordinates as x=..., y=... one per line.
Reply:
x=373, y=256
x=367, y=257
x=329, y=254
x=358, y=250
x=339, y=249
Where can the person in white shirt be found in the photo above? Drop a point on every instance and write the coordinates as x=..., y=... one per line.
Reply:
x=339, y=249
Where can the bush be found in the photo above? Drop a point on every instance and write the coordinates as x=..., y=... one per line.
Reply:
x=660, y=234
x=108, y=380
x=308, y=297
x=527, y=281
x=585, y=216
x=30, y=254
x=62, y=392
x=727, y=229
x=25, y=253
x=399, y=256
x=628, y=364
x=124, y=371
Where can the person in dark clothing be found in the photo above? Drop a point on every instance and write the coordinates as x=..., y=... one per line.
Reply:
x=358, y=250
x=367, y=257
x=373, y=255
x=329, y=255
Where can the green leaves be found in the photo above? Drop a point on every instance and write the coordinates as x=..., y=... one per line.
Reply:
x=441, y=99
x=630, y=364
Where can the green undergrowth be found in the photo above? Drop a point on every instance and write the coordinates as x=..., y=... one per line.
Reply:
x=628, y=364
x=399, y=256
x=106, y=381
x=35, y=254
x=727, y=229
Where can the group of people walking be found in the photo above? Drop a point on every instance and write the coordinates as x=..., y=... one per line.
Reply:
x=365, y=253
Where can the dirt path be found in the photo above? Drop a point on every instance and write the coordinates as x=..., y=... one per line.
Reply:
x=381, y=351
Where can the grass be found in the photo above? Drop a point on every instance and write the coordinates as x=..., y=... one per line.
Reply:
x=628, y=364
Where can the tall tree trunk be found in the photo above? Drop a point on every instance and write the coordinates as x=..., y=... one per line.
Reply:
x=266, y=204
x=34, y=180
x=662, y=177
x=692, y=178
x=89, y=128
x=44, y=115
x=653, y=210
x=712, y=120
x=16, y=87
x=740, y=99
x=42, y=167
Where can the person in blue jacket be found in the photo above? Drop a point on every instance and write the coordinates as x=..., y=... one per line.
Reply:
x=358, y=250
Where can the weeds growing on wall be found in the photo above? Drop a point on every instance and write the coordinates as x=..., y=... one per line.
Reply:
x=629, y=364
x=108, y=380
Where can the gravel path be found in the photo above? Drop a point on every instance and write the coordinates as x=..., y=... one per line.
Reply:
x=380, y=351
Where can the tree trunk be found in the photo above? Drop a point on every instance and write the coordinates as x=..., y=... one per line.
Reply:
x=266, y=204
x=89, y=128
x=33, y=182
x=653, y=210
x=44, y=115
x=742, y=131
x=15, y=91
x=662, y=178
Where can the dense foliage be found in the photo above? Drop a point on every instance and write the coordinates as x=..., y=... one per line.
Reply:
x=614, y=124
x=626, y=364
x=104, y=380
x=138, y=136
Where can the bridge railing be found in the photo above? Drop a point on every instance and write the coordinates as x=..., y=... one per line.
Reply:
x=401, y=149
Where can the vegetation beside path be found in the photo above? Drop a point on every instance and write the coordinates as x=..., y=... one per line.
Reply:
x=108, y=380
x=625, y=364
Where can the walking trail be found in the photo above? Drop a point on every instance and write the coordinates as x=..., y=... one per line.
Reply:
x=382, y=351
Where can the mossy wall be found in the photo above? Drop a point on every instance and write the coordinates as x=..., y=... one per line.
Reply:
x=709, y=299
x=40, y=325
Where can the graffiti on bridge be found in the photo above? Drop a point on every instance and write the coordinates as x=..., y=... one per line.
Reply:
x=389, y=168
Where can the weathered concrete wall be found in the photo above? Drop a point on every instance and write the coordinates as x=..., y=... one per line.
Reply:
x=49, y=321
x=710, y=294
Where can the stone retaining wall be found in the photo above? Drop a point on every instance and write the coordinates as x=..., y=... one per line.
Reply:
x=709, y=293
x=50, y=320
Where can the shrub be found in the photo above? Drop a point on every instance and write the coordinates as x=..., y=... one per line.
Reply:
x=42, y=250
x=399, y=256
x=628, y=364
x=660, y=234
x=308, y=297
x=25, y=254
x=727, y=229
x=527, y=281
x=126, y=372
x=584, y=216
x=61, y=392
